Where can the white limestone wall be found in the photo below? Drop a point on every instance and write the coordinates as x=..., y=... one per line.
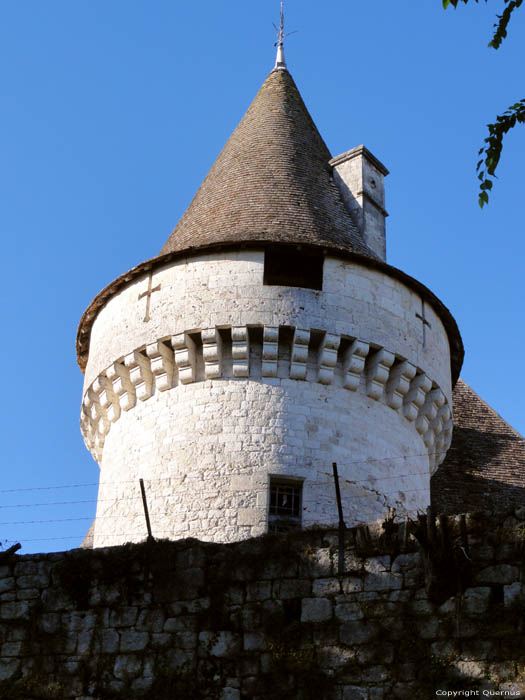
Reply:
x=226, y=381
x=226, y=289
x=361, y=181
x=205, y=452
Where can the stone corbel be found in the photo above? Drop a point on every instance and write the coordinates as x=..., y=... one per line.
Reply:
x=328, y=358
x=354, y=363
x=140, y=374
x=270, y=351
x=299, y=358
x=212, y=353
x=433, y=402
x=240, y=351
x=161, y=357
x=109, y=405
x=377, y=371
x=118, y=375
x=399, y=383
x=415, y=398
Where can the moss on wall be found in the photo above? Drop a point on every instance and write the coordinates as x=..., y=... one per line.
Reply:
x=437, y=604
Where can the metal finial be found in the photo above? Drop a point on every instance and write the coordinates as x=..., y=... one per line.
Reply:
x=280, y=63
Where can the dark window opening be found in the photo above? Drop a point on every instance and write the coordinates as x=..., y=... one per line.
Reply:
x=284, y=513
x=291, y=267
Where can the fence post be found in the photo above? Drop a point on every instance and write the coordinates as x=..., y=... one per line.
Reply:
x=341, y=552
x=146, y=513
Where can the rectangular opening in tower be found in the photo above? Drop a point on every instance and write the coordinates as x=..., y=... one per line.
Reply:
x=255, y=346
x=293, y=267
x=284, y=511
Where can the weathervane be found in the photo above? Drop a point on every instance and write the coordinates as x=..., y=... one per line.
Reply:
x=280, y=63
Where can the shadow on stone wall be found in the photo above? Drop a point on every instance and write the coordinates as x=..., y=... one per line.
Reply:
x=270, y=618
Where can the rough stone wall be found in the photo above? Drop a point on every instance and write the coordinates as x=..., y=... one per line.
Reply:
x=222, y=381
x=271, y=618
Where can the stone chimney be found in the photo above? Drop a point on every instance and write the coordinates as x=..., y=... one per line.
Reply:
x=361, y=179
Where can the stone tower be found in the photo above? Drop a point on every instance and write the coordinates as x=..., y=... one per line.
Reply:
x=267, y=340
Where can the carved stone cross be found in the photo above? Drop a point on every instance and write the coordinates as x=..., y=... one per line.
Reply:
x=149, y=291
x=425, y=322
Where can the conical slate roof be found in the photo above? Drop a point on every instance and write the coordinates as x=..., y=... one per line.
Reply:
x=270, y=183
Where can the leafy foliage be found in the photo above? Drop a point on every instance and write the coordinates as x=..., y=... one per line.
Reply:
x=515, y=114
x=491, y=152
x=501, y=25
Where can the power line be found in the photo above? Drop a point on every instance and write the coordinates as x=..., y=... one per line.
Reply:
x=38, y=522
x=83, y=535
x=49, y=488
x=187, y=476
x=209, y=493
x=49, y=503
x=370, y=492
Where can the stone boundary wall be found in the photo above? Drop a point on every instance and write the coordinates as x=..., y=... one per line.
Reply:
x=268, y=353
x=421, y=607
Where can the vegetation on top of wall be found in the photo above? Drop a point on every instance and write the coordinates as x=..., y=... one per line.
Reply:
x=419, y=605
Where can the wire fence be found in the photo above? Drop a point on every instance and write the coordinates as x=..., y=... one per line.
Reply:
x=341, y=464
x=371, y=486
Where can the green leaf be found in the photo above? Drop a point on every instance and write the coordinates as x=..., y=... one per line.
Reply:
x=483, y=199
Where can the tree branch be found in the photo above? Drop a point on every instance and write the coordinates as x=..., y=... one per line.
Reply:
x=503, y=20
x=491, y=152
x=515, y=114
x=502, y=24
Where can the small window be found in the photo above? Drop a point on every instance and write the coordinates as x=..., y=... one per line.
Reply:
x=293, y=267
x=285, y=505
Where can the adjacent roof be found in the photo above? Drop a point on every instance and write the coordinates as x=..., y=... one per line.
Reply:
x=272, y=182
x=485, y=466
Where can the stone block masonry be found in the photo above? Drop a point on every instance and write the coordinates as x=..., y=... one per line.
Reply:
x=213, y=290
x=220, y=378
x=389, y=379
x=249, y=401
x=269, y=618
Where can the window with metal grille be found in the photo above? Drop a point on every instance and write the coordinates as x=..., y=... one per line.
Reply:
x=284, y=512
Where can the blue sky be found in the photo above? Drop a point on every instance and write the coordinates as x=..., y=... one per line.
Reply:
x=111, y=115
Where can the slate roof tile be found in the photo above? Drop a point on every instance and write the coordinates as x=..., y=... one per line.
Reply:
x=485, y=466
x=271, y=183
